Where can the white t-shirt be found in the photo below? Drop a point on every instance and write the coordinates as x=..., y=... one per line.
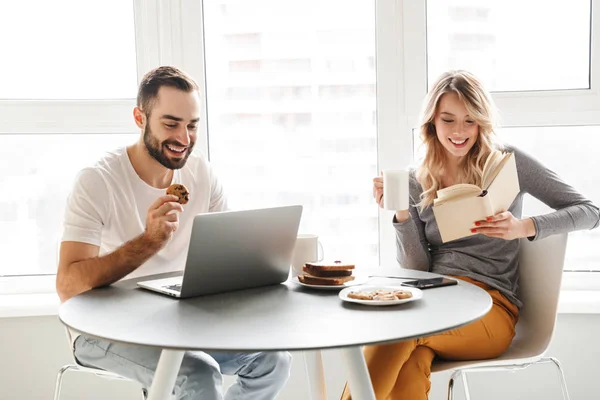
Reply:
x=109, y=202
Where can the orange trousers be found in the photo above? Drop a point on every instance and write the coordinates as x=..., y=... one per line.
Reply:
x=401, y=371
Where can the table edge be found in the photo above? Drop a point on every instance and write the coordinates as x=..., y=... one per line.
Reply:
x=293, y=349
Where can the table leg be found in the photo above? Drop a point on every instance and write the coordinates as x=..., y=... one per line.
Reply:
x=316, y=376
x=165, y=375
x=358, y=374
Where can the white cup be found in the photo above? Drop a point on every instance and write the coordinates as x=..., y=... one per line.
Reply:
x=395, y=189
x=306, y=250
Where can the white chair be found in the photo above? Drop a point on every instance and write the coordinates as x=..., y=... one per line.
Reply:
x=540, y=274
x=75, y=366
x=80, y=368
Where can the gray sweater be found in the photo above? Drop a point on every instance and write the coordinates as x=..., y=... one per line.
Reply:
x=492, y=261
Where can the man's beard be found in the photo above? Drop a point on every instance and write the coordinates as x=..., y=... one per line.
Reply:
x=157, y=150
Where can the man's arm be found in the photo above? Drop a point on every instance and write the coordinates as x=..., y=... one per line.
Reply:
x=80, y=269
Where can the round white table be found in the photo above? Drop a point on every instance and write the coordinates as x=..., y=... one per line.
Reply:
x=272, y=318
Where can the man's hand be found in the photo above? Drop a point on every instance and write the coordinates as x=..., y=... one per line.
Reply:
x=505, y=226
x=81, y=269
x=162, y=219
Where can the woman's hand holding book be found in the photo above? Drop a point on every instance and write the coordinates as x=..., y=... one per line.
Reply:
x=505, y=226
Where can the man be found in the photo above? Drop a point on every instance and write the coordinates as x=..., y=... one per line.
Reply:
x=119, y=223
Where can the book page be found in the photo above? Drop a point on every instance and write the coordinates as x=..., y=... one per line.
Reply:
x=457, y=191
x=457, y=210
x=455, y=219
x=490, y=168
x=491, y=160
x=505, y=185
x=461, y=190
x=494, y=170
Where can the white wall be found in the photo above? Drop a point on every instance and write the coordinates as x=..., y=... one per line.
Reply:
x=33, y=349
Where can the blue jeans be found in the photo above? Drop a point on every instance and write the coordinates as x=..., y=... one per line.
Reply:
x=260, y=375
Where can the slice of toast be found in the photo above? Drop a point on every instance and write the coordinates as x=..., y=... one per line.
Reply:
x=326, y=272
x=330, y=266
x=315, y=280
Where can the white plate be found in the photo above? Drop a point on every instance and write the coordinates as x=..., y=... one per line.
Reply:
x=416, y=295
x=357, y=281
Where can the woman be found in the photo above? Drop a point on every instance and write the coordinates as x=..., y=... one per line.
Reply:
x=458, y=132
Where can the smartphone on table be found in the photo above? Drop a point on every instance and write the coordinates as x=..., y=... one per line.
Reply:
x=430, y=283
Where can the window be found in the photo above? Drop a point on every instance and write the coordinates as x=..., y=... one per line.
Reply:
x=511, y=44
x=37, y=175
x=67, y=49
x=68, y=88
x=293, y=109
x=290, y=116
x=578, y=166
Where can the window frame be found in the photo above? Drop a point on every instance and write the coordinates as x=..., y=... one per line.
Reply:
x=402, y=63
x=171, y=33
x=84, y=116
x=159, y=40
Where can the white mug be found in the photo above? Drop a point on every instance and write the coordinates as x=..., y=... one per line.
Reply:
x=306, y=250
x=395, y=189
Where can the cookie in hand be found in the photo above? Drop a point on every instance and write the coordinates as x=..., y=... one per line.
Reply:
x=180, y=191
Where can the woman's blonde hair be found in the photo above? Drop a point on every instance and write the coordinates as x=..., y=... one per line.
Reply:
x=481, y=109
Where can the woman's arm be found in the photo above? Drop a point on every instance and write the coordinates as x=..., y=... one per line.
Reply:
x=573, y=210
x=412, y=247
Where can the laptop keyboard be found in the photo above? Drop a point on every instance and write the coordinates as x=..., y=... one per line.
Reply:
x=176, y=287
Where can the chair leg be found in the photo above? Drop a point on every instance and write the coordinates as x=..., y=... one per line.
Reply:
x=561, y=376
x=59, y=380
x=466, y=385
x=61, y=372
x=557, y=364
x=451, y=389
x=453, y=377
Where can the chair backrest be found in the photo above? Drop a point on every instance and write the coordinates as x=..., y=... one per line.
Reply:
x=540, y=275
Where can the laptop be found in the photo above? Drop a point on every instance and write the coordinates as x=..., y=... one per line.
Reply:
x=233, y=250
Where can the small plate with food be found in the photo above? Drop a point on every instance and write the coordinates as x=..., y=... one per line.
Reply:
x=378, y=295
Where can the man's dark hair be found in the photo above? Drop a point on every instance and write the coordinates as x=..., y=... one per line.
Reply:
x=158, y=77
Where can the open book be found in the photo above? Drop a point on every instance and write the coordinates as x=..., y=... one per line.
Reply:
x=457, y=207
